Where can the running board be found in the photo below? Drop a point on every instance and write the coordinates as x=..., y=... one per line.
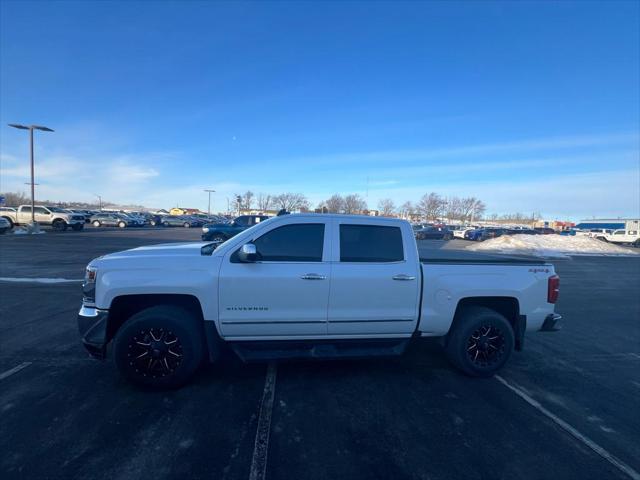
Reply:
x=259, y=351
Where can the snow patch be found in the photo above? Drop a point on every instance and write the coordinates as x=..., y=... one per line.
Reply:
x=550, y=246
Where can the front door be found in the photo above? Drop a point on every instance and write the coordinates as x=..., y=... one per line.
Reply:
x=285, y=292
x=374, y=289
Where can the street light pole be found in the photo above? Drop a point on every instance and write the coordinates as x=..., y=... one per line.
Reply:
x=209, y=207
x=99, y=200
x=31, y=128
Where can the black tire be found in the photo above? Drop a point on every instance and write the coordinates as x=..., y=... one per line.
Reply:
x=165, y=224
x=10, y=222
x=77, y=227
x=176, y=347
x=59, y=225
x=636, y=243
x=187, y=225
x=122, y=224
x=481, y=342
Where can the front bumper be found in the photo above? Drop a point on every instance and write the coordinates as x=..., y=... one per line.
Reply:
x=551, y=323
x=92, y=325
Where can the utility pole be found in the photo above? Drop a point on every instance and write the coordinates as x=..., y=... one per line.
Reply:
x=31, y=128
x=99, y=200
x=209, y=207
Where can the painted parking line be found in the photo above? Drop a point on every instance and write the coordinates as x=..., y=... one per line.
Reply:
x=40, y=280
x=616, y=462
x=261, y=445
x=8, y=373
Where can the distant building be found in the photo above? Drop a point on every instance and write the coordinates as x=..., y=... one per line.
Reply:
x=184, y=211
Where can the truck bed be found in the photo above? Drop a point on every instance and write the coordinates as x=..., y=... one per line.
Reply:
x=463, y=257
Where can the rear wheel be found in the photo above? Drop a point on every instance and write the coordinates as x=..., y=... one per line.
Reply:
x=161, y=346
x=481, y=342
x=165, y=224
x=187, y=225
x=10, y=222
x=96, y=223
x=122, y=224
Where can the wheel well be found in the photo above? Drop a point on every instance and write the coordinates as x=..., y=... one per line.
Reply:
x=8, y=218
x=125, y=306
x=508, y=307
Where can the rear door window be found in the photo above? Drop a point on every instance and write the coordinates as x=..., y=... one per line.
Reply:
x=370, y=243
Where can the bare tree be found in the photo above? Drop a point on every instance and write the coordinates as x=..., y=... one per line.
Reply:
x=291, y=202
x=386, y=207
x=247, y=199
x=354, y=203
x=431, y=206
x=471, y=208
x=335, y=204
x=453, y=208
x=407, y=209
x=264, y=201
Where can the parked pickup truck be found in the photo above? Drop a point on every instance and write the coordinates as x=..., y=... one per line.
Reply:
x=308, y=286
x=58, y=218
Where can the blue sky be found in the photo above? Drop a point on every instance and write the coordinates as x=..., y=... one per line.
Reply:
x=531, y=106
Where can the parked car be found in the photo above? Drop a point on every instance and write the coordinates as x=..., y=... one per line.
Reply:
x=621, y=236
x=545, y=230
x=5, y=225
x=178, y=221
x=482, y=234
x=433, y=233
x=57, y=217
x=221, y=232
x=110, y=219
x=459, y=231
x=266, y=293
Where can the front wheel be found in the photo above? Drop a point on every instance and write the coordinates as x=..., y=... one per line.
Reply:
x=481, y=342
x=96, y=223
x=161, y=347
x=122, y=224
x=187, y=225
x=218, y=239
x=59, y=225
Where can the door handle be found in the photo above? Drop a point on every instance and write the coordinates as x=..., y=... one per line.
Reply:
x=312, y=276
x=403, y=277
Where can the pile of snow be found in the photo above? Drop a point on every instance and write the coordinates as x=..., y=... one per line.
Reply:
x=550, y=246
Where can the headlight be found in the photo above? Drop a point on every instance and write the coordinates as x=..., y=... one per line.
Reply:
x=89, y=286
x=205, y=229
x=90, y=275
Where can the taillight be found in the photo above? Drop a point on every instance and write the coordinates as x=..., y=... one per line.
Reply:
x=553, y=289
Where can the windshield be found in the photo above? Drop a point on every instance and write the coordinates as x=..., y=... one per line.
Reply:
x=57, y=210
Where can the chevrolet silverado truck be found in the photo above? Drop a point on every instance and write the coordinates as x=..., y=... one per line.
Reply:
x=58, y=218
x=308, y=286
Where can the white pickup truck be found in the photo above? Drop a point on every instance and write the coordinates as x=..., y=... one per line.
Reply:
x=308, y=286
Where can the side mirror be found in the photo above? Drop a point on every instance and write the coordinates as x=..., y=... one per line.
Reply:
x=248, y=253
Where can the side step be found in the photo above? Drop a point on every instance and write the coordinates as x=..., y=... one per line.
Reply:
x=259, y=351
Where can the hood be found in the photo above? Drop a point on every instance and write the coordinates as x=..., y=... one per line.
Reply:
x=161, y=250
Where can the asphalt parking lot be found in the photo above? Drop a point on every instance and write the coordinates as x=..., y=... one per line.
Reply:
x=566, y=407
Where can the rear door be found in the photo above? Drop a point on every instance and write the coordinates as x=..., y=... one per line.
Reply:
x=285, y=292
x=375, y=280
